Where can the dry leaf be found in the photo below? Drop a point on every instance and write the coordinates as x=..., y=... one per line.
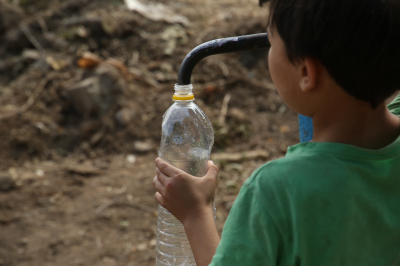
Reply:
x=89, y=60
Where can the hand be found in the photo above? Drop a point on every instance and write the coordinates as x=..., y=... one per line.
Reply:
x=185, y=196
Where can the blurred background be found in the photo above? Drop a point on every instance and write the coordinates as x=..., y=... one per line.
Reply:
x=83, y=87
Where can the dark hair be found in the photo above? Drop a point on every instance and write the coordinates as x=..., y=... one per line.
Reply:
x=358, y=41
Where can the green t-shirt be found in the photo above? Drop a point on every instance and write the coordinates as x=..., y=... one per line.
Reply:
x=324, y=204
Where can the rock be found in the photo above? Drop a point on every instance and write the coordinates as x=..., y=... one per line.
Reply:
x=142, y=246
x=153, y=242
x=284, y=129
x=94, y=95
x=125, y=116
x=80, y=97
x=143, y=146
x=110, y=85
x=131, y=159
x=7, y=183
x=30, y=54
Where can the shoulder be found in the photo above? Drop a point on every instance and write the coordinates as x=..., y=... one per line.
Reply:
x=296, y=168
x=296, y=177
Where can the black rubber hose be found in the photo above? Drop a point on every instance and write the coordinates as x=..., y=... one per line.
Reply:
x=220, y=46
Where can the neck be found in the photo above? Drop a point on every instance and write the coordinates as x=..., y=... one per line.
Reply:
x=356, y=123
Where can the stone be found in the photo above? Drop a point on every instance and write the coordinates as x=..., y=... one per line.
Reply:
x=143, y=146
x=30, y=54
x=110, y=85
x=81, y=99
x=7, y=183
x=125, y=116
x=94, y=95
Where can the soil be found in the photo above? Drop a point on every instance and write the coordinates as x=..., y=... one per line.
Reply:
x=83, y=87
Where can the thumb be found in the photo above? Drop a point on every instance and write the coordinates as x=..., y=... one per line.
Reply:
x=212, y=171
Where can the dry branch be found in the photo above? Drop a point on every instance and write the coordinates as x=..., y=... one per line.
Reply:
x=265, y=85
x=135, y=205
x=224, y=109
x=31, y=99
x=32, y=39
x=235, y=157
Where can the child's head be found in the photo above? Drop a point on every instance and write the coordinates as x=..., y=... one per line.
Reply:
x=357, y=41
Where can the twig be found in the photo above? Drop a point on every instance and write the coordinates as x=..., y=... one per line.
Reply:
x=139, y=206
x=265, y=85
x=224, y=68
x=99, y=244
x=224, y=109
x=104, y=206
x=43, y=25
x=235, y=157
x=216, y=83
x=122, y=190
x=31, y=99
x=82, y=21
x=32, y=39
x=281, y=110
x=140, y=75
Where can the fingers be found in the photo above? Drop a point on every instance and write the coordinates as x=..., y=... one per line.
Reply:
x=212, y=170
x=166, y=168
x=158, y=185
x=161, y=176
x=159, y=198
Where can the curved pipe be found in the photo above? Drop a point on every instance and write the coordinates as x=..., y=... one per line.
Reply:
x=220, y=46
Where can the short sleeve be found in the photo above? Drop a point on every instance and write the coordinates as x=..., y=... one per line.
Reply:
x=394, y=107
x=250, y=235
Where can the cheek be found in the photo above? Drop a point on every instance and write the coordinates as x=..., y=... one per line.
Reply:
x=276, y=69
x=271, y=64
x=282, y=76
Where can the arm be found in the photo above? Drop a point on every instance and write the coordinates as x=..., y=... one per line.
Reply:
x=190, y=200
x=203, y=237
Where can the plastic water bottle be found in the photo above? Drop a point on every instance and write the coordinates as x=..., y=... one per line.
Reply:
x=186, y=142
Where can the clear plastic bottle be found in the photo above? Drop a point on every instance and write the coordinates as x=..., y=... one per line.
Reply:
x=186, y=142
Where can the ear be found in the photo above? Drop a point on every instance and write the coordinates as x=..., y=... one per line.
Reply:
x=308, y=74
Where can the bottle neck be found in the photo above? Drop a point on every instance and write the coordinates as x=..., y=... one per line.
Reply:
x=183, y=93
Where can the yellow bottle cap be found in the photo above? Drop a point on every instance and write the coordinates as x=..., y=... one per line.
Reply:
x=182, y=97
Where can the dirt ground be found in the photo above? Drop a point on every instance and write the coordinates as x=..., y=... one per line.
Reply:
x=83, y=87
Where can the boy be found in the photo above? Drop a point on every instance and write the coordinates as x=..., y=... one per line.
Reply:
x=332, y=201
